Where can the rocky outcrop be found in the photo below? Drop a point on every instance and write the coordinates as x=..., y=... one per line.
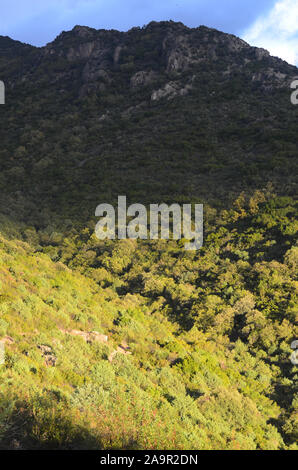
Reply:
x=261, y=53
x=179, y=54
x=123, y=349
x=7, y=340
x=172, y=90
x=117, y=54
x=142, y=78
x=83, y=51
x=270, y=78
x=133, y=109
x=89, y=337
x=184, y=51
x=48, y=354
x=169, y=51
x=166, y=53
x=233, y=43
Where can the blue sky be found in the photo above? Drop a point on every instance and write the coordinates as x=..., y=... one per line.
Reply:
x=272, y=24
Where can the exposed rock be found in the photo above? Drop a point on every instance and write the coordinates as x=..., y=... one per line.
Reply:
x=178, y=52
x=94, y=78
x=103, y=117
x=133, y=109
x=117, y=54
x=89, y=337
x=45, y=349
x=142, y=78
x=7, y=340
x=180, y=49
x=83, y=31
x=83, y=51
x=234, y=44
x=294, y=358
x=95, y=336
x=261, y=53
x=49, y=356
x=171, y=90
x=270, y=78
x=50, y=360
x=123, y=348
x=183, y=51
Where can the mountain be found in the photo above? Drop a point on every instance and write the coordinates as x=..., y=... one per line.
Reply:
x=139, y=344
x=157, y=113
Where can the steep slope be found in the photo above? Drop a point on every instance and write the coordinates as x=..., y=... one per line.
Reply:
x=130, y=344
x=159, y=113
x=95, y=362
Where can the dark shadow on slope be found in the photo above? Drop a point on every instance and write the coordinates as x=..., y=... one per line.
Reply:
x=30, y=428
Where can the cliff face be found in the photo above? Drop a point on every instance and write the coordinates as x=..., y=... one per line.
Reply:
x=160, y=50
x=201, y=110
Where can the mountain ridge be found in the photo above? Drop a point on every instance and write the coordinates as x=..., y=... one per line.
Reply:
x=215, y=104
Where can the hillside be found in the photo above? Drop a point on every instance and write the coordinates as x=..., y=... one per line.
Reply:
x=140, y=344
x=153, y=347
x=163, y=113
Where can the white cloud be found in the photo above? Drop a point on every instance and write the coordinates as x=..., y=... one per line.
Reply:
x=277, y=31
